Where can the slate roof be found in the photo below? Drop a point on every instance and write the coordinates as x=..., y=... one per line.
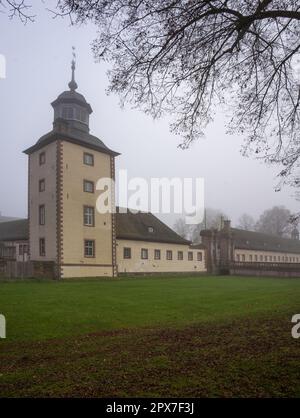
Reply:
x=131, y=226
x=199, y=246
x=14, y=230
x=75, y=136
x=70, y=95
x=250, y=240
x=135, y=226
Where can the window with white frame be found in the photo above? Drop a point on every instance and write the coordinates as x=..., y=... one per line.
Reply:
x=127, y=252
x=156, y=254
x=180, y=255
x=88, y=186
x=88, y=216
x=88, y=159
x=144, y=254
x=169, y=255
x=89, y=248
x=23, y=249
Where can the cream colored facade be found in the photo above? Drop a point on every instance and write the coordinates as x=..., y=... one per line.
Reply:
x=64, y=200
x=135, y=264
x=265, y=256
x=65, y=233
x=64, y=224
x=74, y=198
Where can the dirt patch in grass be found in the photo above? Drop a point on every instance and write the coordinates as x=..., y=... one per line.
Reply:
x=249, y=358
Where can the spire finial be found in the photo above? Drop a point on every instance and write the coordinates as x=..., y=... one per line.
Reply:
x=73, y=85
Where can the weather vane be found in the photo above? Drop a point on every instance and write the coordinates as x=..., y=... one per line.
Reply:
x=74, y=55
x=73, y=85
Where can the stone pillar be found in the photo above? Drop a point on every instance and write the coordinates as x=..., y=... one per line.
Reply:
x=226, y=247
x=210, y=240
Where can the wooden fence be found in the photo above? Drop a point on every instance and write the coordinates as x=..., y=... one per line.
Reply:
x=22, y=269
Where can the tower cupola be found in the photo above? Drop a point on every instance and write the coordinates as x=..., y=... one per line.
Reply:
x=71, y=108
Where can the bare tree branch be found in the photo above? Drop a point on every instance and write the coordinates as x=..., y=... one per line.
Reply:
x=17, y=8
x=187, y=57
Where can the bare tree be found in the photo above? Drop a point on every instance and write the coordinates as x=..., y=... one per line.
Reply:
x=186, y=57
x=182, y=228
x=212, y=220
x=17, y=8
x=276, y=221
x=246, y=222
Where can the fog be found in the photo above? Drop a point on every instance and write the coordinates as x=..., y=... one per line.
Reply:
x=38, y=59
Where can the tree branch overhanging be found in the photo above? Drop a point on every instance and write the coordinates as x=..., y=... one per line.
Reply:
x=188, y=57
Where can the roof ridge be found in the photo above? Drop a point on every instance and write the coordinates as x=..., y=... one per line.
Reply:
x=263, y=234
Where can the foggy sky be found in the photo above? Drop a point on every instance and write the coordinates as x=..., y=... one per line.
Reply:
x=38, y=59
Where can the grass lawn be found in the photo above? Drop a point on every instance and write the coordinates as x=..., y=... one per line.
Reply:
x=184, y=336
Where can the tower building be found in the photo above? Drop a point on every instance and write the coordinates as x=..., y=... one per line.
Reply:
x=65, y=235
x=64, y=167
